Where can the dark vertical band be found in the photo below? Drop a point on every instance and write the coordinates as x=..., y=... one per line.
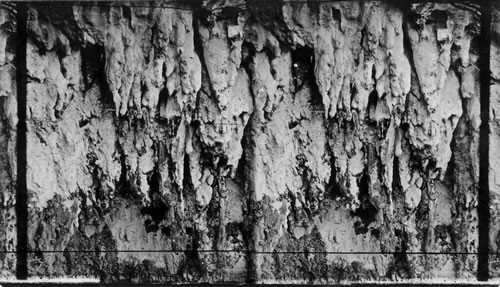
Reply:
x=21, y=186
x=484, y=135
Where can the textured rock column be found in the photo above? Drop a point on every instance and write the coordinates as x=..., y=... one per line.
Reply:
x=8, y=122
x=399, y=89
x=494, y=259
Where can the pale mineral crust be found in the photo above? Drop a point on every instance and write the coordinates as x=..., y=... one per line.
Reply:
x=261, y=143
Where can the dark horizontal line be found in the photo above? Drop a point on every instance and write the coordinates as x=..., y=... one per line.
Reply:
x=253, y=252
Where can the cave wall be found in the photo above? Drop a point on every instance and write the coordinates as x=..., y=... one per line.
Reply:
x=261, y=142
x=494, y=142
x=8, y=123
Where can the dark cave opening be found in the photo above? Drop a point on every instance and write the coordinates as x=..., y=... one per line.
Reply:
x=333, y=188
x=372, y=105
x=92, y=63
x=440, y=18
x=366, y=211
x=93, y=70
x=303, y=74
x=303, y=66
x=124, y=187
x=157, y=210
x=161, y=108
x=248, y=53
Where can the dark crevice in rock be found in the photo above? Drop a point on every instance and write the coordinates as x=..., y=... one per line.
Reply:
x=267, y=12
x=210, y=156
x=409, y=22
x=204, y=16
x=401, y=265
x=222, y=164
x=475, y=45
x=303, y=74
x=102, y=83
x=363, y=45
x=187, y=182
x=304, y=171
x=316, y=98
x=96, y=182
x=154, y=44
x=214, y=213
x=167, y=158
x=397, y=192
x=248, y=53
x=337, y=16
x=366, y=211
x=10, y=28
x=161, y=108
x=440, y=18
x=124, y=188
x=372, y=105
x=422, y=219
x=63, y=20
x=383, y=128
x=82, y=123
x=333, y=189
x=293, y=124
x=292, y=217
x=240, y=175
x=302, y=66
x=431, y=167
x=157, y=210
x=172, y=126
x=127, y=13
x=233, y=230
x=250, y=211
x=198, y=16
x=243, y=178
x=193, y=263
x=230, y=14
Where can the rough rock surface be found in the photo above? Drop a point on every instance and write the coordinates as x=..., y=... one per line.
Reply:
x=260, y=142
x=8, y=122
x=494, y=142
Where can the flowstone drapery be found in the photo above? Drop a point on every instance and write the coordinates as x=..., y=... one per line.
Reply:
x=237, y=142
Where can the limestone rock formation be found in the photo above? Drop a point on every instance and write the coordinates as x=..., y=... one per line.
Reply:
x=8, y=123
x=229, y=141
x=494, y=141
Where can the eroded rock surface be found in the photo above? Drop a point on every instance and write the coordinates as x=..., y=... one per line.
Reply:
x=8, y=123
x=260, y=142
x=494, y=141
